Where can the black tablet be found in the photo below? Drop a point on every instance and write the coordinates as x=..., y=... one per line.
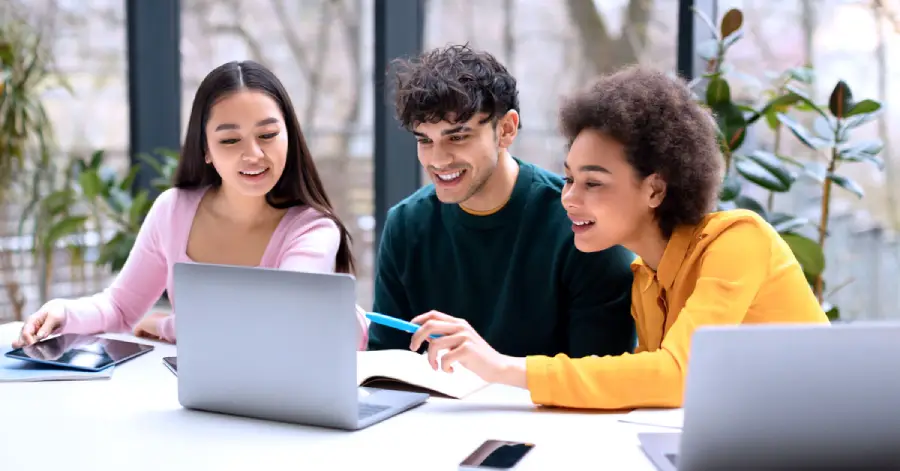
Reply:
x=80, y=352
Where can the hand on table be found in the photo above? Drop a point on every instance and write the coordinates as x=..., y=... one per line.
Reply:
x=148, y=327
x=465, y=346
x=41, y=324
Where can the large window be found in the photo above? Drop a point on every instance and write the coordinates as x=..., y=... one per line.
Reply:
x=86, y=50
x=554, y=47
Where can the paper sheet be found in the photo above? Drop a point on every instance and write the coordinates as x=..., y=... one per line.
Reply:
x=668, y=418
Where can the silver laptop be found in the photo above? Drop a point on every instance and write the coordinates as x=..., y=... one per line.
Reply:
x=275, y=345
x=788, y=397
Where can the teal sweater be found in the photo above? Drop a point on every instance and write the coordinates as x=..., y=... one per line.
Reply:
x=514, y=275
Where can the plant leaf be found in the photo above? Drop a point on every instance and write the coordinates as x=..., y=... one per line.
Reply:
x=96, y=160
x=824, y=126
x=756, y=173
x=863, y=151
x=115, y=251
x=864, y=107
x=774, y=164
x=801, y=133
x=831, y=311
x=128, y=181
x=731, y=123
x=731, y=22
x=777, y=104
x=56, y=202
x=732, y=38
x=731, y=188
x=841, y=101
x=709, y=24
x=718, y=93
x=746, y=202
x=139, y=206
x=816, y=171
x=856, y=121
x=62, y=228
x=847, y=184
x=806, y=103
x=807, y=252
x=91, y=183
x=784, y=223
x=803, y=74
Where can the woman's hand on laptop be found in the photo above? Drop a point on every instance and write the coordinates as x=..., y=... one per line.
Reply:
x=465, y=346
x=148, y=327
x=41, y=324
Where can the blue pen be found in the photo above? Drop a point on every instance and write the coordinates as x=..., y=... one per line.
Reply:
x=395, y=323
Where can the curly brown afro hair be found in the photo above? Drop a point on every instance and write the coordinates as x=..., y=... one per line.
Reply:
x=452, y=83
x=663, y=130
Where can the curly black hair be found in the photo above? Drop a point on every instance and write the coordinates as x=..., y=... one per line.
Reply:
x=664, y=131
x=452, y=83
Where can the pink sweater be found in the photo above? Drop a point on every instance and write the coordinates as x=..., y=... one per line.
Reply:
x=305, y=240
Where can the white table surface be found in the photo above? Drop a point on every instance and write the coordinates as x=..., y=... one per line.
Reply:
x=133, y=421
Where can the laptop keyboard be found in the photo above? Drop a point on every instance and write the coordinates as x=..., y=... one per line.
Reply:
x=367, y=410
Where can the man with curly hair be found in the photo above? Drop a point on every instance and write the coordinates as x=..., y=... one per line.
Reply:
x=486, y=249
x=643, y=172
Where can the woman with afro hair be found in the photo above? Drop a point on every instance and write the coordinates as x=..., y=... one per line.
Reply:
x=643, y=172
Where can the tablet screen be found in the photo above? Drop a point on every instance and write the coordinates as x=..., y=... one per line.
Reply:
x=87, y=352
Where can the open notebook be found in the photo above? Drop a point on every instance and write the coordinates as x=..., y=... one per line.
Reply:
x=405, y=369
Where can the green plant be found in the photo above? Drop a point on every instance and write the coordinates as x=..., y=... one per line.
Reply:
x=112, y=198
x=57, y=222
x=831, y=132
x=26, y=141
x=773, y=171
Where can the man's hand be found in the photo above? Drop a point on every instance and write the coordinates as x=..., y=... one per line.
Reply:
x=465, y=346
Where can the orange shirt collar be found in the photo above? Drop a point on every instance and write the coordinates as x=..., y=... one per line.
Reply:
x=671, y=262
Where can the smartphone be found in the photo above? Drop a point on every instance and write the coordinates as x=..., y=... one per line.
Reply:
x=172, y=364
x=496, y=454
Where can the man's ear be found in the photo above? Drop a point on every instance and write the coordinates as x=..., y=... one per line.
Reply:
x=508, y=128
x=656, y=190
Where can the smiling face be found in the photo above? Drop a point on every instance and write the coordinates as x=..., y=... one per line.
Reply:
x=608, y=203
x=247, y=142
x=461, y=157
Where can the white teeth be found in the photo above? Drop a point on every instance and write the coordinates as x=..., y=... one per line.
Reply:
x=582, y=223
x=450, y=176
x=253, y=172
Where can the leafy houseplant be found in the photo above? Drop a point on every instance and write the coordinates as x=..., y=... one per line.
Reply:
x=57, y=221
x=832, y=130
x=113, y=198
x=27, y=168
x=771, y=170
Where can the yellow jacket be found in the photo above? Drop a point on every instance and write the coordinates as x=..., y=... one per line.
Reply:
x=732, y=268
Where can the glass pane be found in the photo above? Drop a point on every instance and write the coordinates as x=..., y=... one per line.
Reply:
x=555, y=47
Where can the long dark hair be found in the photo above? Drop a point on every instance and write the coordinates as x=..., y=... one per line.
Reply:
x=299, y=184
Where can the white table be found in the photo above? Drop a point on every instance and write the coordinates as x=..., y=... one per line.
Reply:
x=133, y=421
